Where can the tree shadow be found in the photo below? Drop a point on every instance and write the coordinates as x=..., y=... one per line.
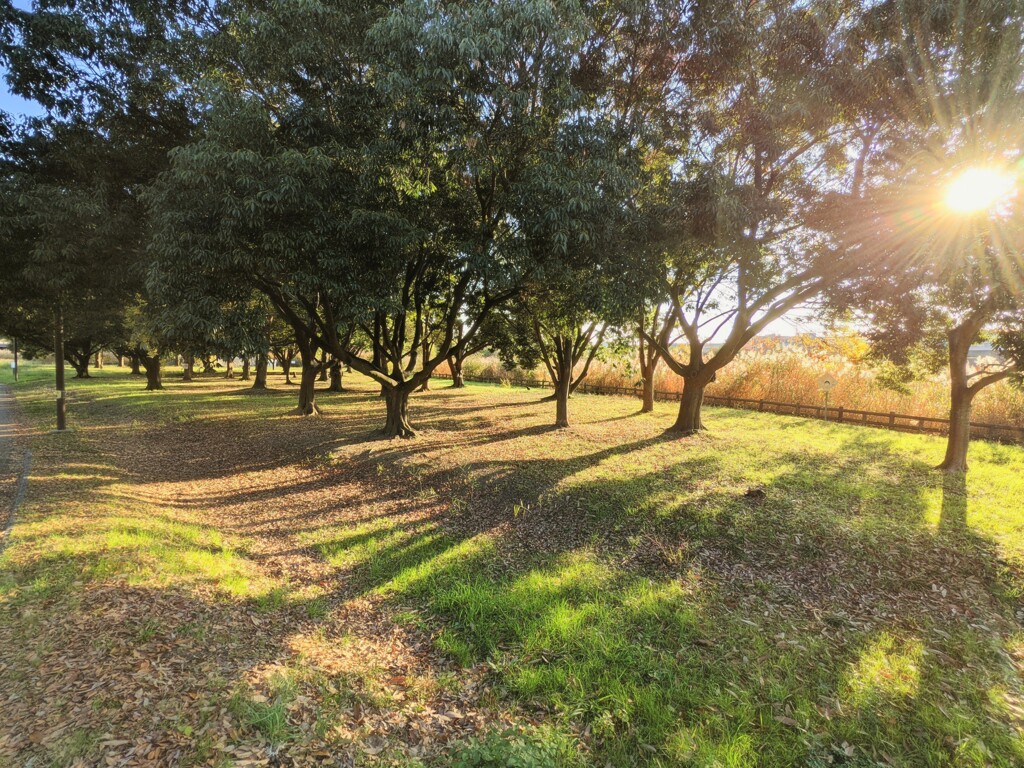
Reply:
x=664, y=602
x=953, y=515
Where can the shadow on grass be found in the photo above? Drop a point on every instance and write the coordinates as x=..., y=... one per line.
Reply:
x=664, y=601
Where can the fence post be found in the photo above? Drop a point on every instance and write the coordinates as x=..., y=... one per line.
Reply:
x=892, y=418
x=839, y=414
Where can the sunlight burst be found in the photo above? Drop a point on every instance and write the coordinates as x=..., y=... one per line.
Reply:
x=978, y=189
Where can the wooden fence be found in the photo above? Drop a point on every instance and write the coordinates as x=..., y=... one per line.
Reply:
x=898, y=421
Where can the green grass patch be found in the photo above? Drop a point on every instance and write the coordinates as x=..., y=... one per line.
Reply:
x=776, y=592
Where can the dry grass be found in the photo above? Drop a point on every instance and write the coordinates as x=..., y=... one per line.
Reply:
x=770, y=371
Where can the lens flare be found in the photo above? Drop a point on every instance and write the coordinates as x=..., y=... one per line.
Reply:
x=979, y=189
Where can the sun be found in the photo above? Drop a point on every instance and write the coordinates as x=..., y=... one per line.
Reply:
x=978, y=189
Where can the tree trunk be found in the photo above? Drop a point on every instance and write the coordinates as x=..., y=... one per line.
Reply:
x=455, y=363
x=80, y=363
x=245, y=369
x=560, y=369
x=229, y=371
x=186, y=373
x=153, y=379
x=647, y=395
x=562, y=402
x=960, y=397
x=648, y=367
x=336, y=378
x=136, y=362
x=58, y=349
x=261, y=372
x=397, y=424
x=323, y=375
x=99, y=361
x=959, y=433
x=689, y=421
x=286, y=368
x=207, y=365
x=307, y=391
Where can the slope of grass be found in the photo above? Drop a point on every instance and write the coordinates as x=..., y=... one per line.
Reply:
x=775, y=592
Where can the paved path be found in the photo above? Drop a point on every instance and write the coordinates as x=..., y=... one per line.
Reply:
x=13, y=466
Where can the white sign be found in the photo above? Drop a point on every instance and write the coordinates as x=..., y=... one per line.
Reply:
x=827, y=383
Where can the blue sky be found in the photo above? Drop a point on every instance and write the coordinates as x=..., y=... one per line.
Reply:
x=8, y=101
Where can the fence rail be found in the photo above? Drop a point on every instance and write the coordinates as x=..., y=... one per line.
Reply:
x=901, y=422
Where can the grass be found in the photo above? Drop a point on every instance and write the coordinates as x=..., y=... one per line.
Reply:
x=775, y=592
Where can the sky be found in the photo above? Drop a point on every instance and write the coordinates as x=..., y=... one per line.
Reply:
x=16, y=105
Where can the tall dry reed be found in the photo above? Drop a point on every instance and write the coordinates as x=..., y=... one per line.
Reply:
x=789, y=371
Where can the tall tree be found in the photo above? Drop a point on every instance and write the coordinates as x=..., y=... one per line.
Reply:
x=110, y=75
x=770, y=118
x=945, y=105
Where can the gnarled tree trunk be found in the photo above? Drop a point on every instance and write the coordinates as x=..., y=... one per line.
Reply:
x=80, y=362
x=397, y=421
x=153, y=378
x=689, y=421
x=307, y=390
x=455, y=364
x=261, y=372
x=336, y=378
x=136, y=361
x=186, y=370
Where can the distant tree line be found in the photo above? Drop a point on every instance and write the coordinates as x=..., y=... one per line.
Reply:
x=386, y=187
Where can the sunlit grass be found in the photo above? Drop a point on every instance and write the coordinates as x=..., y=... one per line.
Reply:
x=628, y=638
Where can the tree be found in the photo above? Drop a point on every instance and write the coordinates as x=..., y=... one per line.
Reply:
x=770, y=109
x=59, y=244
x=109, y=75
x=945, y=100
x=561, y=323
x=379, y=174
x=652, y=324
x=946, y=283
